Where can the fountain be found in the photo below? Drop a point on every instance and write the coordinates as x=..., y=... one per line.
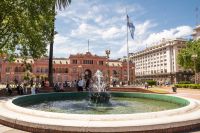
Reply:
x=124, y=112
x=98, y=92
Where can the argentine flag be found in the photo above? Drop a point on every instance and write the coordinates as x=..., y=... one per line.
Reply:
x=131, y=27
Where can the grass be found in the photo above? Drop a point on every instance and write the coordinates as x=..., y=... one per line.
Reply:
x=159, y=90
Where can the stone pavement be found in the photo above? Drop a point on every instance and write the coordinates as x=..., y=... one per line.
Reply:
x=189, y=93
x=4, y=129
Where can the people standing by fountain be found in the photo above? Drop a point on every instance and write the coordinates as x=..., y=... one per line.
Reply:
x=87, y=84
x=25, y=88
x=146, y=85
x=19, y=89
x=80, y=84
x=33, y=89
x=56, y=87
x=8, y=89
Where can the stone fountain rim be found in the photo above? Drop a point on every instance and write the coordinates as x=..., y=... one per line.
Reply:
x=15, y=115
x=97, y=117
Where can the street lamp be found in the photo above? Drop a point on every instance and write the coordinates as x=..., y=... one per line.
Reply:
x=194, y=57
x=107, y=54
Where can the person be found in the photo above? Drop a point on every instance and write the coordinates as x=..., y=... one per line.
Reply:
x=21, y=90
x=65, y=85
x=87, y=85
x=25, y=88
x=37, y=87
x=56, y=87
x=18, y=89
x=75, y=84
x=114, y=83
x=33, y=89
x=43, y=84
x=8, y=88
x=80, y=84
x=146, y=85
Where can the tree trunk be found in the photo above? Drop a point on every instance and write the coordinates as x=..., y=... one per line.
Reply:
x=50, y=74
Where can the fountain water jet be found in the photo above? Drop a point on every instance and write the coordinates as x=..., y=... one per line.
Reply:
x=98, y=93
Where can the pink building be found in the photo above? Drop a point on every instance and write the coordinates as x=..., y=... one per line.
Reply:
x=68, y=69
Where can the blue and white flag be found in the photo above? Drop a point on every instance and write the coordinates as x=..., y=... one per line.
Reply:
x=131, y=27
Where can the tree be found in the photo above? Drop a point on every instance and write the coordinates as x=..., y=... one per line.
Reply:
x=60, y=4
x=26, y=26
x=185, y=57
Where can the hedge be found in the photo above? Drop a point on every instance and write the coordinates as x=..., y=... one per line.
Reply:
x=185, y=82
x=192, y=86
x=151, y=82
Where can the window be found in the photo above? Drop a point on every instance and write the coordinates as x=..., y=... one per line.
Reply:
x=125, y=72
x=87, y=61
x=74, y=61
x=66, y=70
x=7, y=69
x=101, y=63
x=165, y=70
x=16, y=69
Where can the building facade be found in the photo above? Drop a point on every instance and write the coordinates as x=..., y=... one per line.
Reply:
x=67, y=69
x=159, y=62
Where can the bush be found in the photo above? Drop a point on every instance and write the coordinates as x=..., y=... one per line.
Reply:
x=192, y=86
x=151, y=82
x=184, y=82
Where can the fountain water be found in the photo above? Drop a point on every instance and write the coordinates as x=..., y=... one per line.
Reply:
x=98, y=93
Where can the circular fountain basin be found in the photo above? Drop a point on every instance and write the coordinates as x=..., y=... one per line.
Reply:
x=16, y=113
x=80, y=103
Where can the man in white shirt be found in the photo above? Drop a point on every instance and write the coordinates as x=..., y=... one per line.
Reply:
x=80, y=85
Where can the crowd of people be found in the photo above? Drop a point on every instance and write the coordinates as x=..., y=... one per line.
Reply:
x=23, y=87
x=33, y=87
x=80, y=84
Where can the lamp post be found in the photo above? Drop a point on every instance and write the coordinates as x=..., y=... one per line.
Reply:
x=194, y=57
x=107, y=54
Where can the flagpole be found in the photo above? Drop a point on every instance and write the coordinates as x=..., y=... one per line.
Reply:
x=88, y=45
x=127, y=50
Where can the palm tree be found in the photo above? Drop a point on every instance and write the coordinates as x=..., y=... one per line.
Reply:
x=60, y=4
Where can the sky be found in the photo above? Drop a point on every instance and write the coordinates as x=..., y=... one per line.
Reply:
x=103, y=23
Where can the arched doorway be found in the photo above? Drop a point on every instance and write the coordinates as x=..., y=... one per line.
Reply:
x=88, y=74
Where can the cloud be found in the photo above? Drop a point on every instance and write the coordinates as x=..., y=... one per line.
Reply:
x=145, y=37
x=141, y=32
x=178, y=32
x=104, y=23
x=144, y=27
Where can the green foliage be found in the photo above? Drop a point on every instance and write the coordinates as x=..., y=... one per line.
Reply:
x=28, y=75
x=185, y=56
x=192, y=86
x=25, y=25
x=184, y=82
x=151, y=82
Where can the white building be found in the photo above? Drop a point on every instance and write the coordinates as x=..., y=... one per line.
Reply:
x=159, y=62
x=196, y=33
